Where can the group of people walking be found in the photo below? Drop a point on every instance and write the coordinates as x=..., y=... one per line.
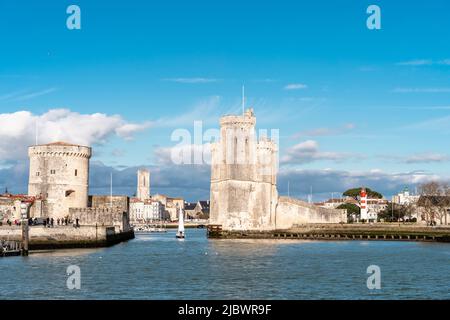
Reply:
x=47, y=222
x=50, y=222
x=6, y=246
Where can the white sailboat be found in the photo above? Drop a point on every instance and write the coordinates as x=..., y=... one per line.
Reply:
x=180, y=232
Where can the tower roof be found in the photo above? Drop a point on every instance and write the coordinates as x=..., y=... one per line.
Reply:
x=61, y=143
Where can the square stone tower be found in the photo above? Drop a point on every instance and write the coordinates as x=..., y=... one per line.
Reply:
x=143, y=184
x=243, y=176
x=244, y=192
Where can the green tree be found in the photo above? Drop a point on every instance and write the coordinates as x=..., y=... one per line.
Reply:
x=395, y=212
x=350, y=207
x=354, y=193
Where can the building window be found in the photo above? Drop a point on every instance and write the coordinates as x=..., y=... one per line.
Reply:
x=76, y=173
x=52, y=171
x=38, y=174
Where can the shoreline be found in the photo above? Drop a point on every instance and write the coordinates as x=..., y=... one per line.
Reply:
x=68, y=237
x=348, y=232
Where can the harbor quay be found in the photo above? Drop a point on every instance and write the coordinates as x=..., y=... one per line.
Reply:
x=67, y=237
x=379, y=231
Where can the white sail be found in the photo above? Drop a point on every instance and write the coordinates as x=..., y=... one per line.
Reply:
x=180, y=221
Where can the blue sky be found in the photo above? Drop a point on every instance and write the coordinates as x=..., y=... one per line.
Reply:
x=369, y=106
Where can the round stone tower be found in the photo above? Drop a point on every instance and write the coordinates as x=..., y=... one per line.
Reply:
x=59, y=174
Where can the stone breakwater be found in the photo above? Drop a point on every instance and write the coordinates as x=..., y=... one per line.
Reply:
x=341, y=232
x=65, y=237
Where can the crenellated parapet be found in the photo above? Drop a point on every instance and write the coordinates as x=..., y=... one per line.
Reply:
x=247, y=120
x=60, y=150
x=90, y=210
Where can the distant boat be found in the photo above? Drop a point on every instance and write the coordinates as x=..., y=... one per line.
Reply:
x=180, y=233
x=150, y=229
x=157, y=229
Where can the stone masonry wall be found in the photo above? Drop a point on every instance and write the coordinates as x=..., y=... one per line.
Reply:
x=66, y=233
x=115, y=217
x=291, y=212
x=122, y=202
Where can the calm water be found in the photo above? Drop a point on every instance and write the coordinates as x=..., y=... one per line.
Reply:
x=156, y=266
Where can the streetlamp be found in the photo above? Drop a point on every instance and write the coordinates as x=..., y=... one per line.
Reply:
x=24, y=211
x=392, y=219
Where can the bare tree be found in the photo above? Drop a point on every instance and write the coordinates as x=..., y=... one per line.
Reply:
x=435, y=201
x=445, y=203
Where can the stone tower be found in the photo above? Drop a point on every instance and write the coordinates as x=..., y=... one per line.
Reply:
x=243, y=176
x=59, y=174
x=143, y=184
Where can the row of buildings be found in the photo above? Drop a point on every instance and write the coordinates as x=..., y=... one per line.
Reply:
x=59, y=185
x=370, y=208
x=146, y=208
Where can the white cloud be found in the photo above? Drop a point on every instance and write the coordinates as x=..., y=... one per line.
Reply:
x=308, y=151
x=18, y=129
x=441, y=125
x=207, y=111
x=22, y=95
x=266, y=80
x=326, y=131
x=421, y=90
x=127, y=130
x=367, y=68
x=193, y=181
x=295, y=86
x=424, y=62
x=417, y=62
x=427, y=158
x=323, y=182
x=183, y=154
x=192, y=80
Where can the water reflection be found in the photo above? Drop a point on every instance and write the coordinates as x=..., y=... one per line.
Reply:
x=65, y=252
x=157, y=266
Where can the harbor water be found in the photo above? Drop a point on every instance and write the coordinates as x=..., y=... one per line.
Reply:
x=157, y=266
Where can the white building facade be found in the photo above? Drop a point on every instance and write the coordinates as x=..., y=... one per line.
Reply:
x=145, y=211
x=405, y=198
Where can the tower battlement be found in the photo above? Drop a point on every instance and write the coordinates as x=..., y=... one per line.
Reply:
x=60, y=150
x=248, y=119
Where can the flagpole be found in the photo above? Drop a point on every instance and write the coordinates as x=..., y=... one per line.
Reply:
x=110, y=191
x=243, y=100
